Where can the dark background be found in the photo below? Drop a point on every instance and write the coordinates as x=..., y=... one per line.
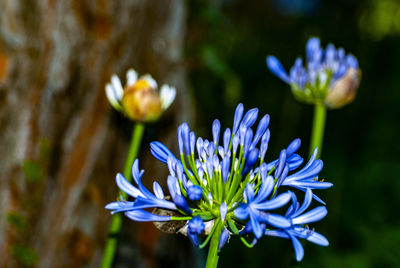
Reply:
x=227, y=43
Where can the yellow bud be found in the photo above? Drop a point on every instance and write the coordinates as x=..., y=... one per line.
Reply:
x=141, y=102
x=140, y=84
x=344, y=90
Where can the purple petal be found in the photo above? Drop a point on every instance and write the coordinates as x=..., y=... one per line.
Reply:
x=160, y=151
x=180, y=140
x=265, y=189
x=330, y=53
x=250, y=117
x=142, y=215
x=136, y=174
x=192, y=142
x=172, y=184
x=128, y=188
x=158, y=190
x=241, y=212
x=308, y=184
x=294, y=161
x=194, y=239
x=313, y=48
x=314, y=196
x=247, y=141
x=226, y=163
x=293, y=147
x=235, y=143
x=309, y=172
x=274, y=203
x=237, y=118
x=249, y=193
x=216, y=129
x=277, y=233
x=227, y=139
x=293, y=208
x=264, y=143
x=276, y=220
x=306, y=203
x=262, y=127
x=199, y=146
x=223, y=209
x=196, y=225
x=281, y=163
x=313, y=215
x=186, y=137
x=352, y=61
x=298, y=248
x=119, y=206
x=141, y=203
x=252, y=158
x=194, y=192
x=277, y=69
x=318, y=239
x=223, y=239
x=255, y=225
x=181, y=203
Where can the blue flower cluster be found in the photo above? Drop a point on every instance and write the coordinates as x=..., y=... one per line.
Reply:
x=329, y=76
x=225, y=184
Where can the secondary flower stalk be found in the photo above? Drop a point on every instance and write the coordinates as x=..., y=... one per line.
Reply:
x=329, y=80
x=141, y=102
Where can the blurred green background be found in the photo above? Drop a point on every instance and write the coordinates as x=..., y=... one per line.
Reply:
x=227, y=42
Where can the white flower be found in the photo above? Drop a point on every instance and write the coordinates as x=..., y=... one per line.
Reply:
x=167, y=95
x=139, y=99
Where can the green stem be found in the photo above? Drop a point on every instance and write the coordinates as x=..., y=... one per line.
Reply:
x=212, y=258
x=116, y=219
x=318, y=127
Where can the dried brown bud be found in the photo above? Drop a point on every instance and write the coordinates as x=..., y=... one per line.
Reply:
x=344, y=90
x=170, y=227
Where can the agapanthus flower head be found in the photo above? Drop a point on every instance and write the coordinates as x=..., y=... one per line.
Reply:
x=327, y=76
x=224, y=186
x=140, y=99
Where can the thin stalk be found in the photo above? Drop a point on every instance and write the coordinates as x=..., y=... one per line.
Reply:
x=116, y=219
x=318, y=128
x=212, y=258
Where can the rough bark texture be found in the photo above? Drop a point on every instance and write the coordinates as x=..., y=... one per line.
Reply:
x=61, y=144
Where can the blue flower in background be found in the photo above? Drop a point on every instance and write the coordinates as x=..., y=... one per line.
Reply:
x=328, y=75
x=224, y=187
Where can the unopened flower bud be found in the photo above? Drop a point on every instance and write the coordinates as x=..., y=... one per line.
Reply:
x=142, y=105
x=344, y=90
x=140, y=100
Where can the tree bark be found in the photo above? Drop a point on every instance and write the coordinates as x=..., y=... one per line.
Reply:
x=61, y=144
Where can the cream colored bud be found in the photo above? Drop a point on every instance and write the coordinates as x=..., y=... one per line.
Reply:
x=140, y=100
x=142, y=104
x=344, y=90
